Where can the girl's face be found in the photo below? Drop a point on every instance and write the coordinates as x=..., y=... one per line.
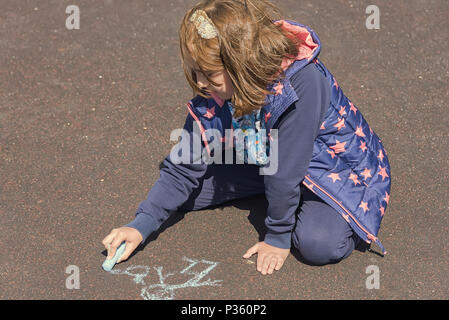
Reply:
x=224, y=89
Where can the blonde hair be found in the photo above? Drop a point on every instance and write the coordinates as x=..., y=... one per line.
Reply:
x=248, y=45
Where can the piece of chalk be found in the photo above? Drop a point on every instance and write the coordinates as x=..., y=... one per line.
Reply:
x=108, y=264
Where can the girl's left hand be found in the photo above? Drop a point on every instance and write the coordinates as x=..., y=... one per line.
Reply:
x=269, y=258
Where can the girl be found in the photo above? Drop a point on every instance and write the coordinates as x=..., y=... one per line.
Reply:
x=332, y=181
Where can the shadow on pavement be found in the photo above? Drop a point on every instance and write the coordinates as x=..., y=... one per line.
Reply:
x=257, y=206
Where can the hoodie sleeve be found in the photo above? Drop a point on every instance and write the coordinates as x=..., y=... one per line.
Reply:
x=297, y=128
x=171, y=190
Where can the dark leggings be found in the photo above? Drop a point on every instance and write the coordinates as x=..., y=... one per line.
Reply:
x=320, y=234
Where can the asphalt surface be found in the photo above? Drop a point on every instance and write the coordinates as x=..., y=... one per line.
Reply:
x=85, y=120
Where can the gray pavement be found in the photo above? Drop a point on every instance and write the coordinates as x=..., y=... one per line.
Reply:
x=85, y=120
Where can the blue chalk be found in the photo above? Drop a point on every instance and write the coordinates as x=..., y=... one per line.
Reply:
x=108, y=264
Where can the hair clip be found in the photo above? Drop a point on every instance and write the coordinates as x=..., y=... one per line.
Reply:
x=204, y=25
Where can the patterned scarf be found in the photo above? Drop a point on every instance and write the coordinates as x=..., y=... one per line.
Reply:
x=255, y=144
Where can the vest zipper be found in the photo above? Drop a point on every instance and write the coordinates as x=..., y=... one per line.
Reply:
x=203, y=133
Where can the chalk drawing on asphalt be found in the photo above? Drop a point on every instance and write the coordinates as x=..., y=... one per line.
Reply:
x=166, y=291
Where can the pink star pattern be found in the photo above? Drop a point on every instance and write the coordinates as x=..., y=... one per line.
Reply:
x=331, y=153
x=381, y=156
x=279, y=88
x=352, y=108
x=364, y=206
x=322, y=126
x=363, y=146
x=366, y=174
x=334, y=177
x=335, y=83
x=387, y=197
x=342, y=110
x=382, y=211
x=383, y=173
x=210, y=113
x=354, y=179
x=359, y=132
x=339, y=147
x=340, y=124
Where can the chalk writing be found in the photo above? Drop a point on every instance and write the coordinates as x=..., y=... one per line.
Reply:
x=166, y=291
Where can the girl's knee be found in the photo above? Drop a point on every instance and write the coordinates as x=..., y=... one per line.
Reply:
x=319, y=249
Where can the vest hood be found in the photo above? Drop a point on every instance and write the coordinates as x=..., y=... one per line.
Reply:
x=309, y=44
x=309, y=48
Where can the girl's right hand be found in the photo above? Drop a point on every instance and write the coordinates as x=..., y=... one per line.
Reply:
x=111, y=242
